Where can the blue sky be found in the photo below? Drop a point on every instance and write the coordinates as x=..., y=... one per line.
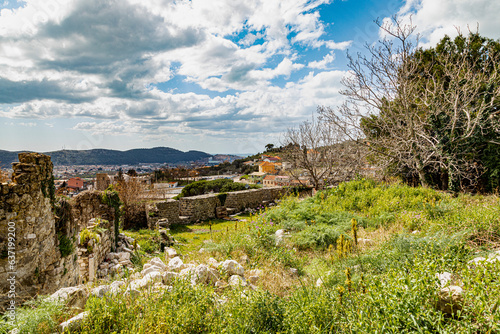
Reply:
x=217, y=76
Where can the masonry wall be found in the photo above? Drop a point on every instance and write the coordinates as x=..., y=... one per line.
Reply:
x=88, y=209
x=88, y=261
x=199, y=207
x=203, y=207
x=26, y=211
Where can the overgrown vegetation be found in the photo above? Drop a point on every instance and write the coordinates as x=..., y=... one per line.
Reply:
x=387, y=285
x=111, y=197
x=66, y=245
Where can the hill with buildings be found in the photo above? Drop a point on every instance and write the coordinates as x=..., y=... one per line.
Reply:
x=113, y=157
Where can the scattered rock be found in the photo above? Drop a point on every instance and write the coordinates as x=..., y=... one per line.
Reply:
x=319, y=282
x=365, y=242
x=73, y=297
x=450, y=299
x=232, y=267
x=176, y=264
x=72, y=324
x=170, y=253
x=237, y=280
x=293, y=271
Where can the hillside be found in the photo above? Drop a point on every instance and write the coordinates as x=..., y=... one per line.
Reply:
x=112, y=157
x=364, y=257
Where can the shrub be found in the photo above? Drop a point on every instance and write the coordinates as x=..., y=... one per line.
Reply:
x=66, y=246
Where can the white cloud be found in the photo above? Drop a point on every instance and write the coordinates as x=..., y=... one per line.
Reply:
x=435, y=19
x=323, y=64
x=102, y=60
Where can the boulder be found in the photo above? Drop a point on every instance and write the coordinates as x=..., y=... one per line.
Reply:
x=170, y=253
x=72, y=324
x=253, y=279
x=73, y=297
x=158, y=262
x=100, y=291
x=147, y=280
x=176, y=264
x=450, y=299
x=186, y=273
x=213, y=262
x=200, y=275
x=444, y=278
x=114, y=287
x=232, y=267
x=123, y=256
x=151, y=269
x=213, y=276
x=237, y=280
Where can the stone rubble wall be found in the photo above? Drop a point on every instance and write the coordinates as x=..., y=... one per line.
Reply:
x=168, y=209
x=88, y=205
x=87, y=209
x=204, y=207
x=200, y=207
x=26, y=203
x=89, y=261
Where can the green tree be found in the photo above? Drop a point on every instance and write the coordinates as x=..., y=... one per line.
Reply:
x=431, y=115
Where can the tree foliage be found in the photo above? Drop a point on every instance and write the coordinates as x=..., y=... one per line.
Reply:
x=430, y=115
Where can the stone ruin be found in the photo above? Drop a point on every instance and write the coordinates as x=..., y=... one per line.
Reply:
x=44, y=252
x=39, y=238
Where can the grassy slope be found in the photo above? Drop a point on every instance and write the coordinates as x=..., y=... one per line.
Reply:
x=390, y=285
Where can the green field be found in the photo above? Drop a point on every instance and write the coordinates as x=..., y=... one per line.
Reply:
x=386, y=283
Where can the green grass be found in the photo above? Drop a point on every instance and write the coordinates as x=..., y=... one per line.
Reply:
x=391, y=285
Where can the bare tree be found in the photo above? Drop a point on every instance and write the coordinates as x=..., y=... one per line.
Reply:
x=320, y=152
x=133, y=212
x=418, y=111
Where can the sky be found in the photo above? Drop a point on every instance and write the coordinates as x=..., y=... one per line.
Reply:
x=220, y=76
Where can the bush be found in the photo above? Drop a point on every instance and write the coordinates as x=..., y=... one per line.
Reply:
x=216, y=186
x=66, y=246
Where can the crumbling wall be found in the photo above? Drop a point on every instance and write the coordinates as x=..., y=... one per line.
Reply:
x=200, y=207
x=203, y=207
x=30, y=254
x=91, y=213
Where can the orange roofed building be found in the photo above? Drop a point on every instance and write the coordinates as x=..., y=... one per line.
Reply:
x=267, y=167
x=75, y=183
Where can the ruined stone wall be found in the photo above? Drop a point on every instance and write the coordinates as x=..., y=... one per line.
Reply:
x=89, y=258
x=88, y=210
x=252, y=198
x=165, y=210
x=199, y=207
x=26, y=215
x=203, y=207
x=88, y=205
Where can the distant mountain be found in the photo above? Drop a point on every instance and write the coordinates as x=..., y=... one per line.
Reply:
x=113, y=157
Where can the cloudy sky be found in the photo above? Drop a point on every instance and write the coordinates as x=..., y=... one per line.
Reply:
x=222, y=76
